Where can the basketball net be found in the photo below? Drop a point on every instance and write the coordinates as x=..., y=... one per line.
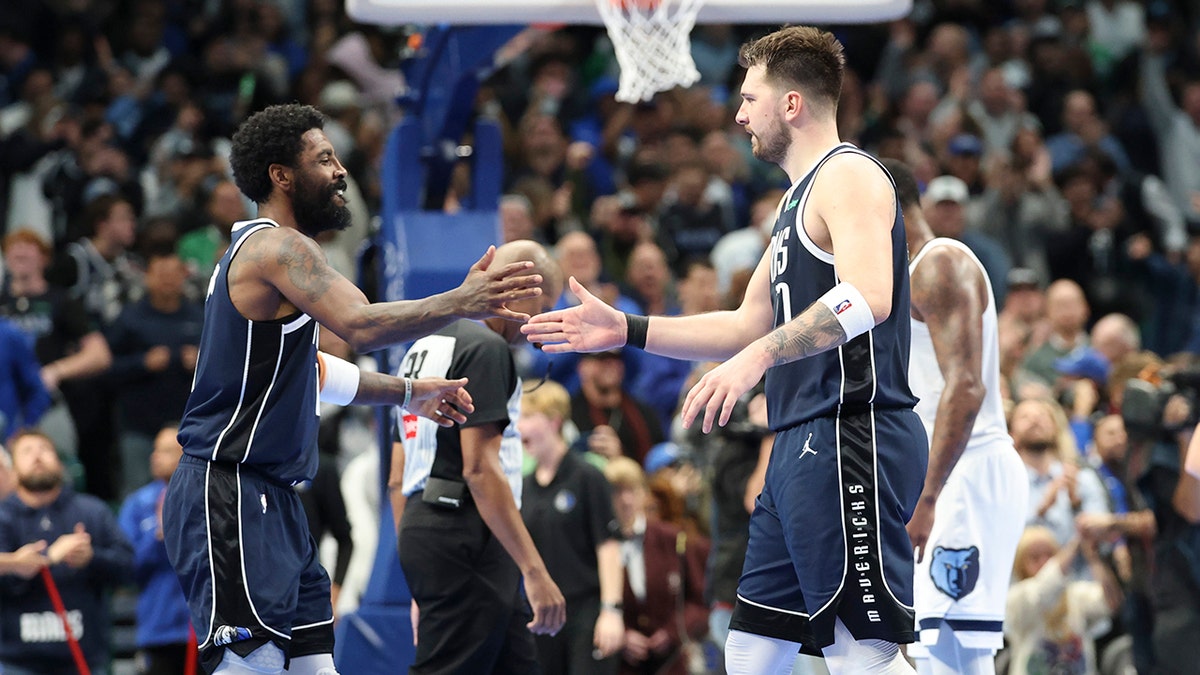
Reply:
x=652, y=39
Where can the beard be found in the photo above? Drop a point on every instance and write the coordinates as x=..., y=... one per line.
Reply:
x=773, y=144
x=41, y=481
x=315, y=208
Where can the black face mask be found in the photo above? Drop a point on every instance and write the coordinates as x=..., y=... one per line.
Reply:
x=315, y=209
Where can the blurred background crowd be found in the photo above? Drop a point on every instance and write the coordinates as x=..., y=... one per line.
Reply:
x=1058, y=139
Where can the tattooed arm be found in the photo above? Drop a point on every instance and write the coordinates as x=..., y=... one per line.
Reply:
x=280, y=270
x=856, y=226
x=949, y=295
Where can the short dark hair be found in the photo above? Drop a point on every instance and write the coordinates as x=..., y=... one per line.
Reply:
x=99, y=209
x=906, y=184
x=807, y=58
x=273, y=135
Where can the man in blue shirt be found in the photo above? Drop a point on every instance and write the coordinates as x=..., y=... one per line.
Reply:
x=163, y=629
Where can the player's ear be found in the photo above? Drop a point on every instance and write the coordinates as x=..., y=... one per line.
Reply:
x=793, y=102
x=280, y=176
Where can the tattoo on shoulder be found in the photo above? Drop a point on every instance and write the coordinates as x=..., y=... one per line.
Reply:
x=305, y=269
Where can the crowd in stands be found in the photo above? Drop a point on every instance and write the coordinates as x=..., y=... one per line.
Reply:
x=1058, y=139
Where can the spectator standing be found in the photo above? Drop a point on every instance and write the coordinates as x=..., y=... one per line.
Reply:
x=155, y=345
x=67, y=344
x=163, y=624
x=664, y=581
x=87, y=555
x=945, y=203
x=98, y=270
x=567, y=507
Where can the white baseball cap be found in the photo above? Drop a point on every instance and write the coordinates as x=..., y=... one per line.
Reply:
x=947, y=189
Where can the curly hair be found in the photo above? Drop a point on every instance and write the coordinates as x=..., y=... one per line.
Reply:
x=271, y=136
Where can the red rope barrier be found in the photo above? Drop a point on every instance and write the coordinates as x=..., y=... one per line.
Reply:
x=61, y=610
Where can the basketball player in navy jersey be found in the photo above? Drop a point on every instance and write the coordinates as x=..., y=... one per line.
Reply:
x=829, y=565
x=235, y=531
x=971, y=512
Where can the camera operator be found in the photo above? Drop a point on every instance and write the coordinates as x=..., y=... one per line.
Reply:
x=1163, y=610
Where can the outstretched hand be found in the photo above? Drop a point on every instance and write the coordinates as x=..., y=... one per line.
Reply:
x=590, y=326
x=443, y=401
x=486, y=292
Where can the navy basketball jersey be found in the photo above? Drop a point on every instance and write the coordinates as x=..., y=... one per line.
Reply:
x=254, y=395
x=870, y=370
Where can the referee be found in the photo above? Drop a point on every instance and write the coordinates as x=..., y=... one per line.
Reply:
x=463, y=546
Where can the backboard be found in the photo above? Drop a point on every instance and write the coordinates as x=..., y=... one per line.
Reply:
x=396, y=12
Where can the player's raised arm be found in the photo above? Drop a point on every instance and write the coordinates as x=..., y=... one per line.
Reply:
x=295, y=266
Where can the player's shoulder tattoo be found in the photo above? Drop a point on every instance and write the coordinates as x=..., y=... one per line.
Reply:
x=306, y=267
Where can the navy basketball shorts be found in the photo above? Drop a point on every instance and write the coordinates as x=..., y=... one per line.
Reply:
x=240, y=545
x=827, y=535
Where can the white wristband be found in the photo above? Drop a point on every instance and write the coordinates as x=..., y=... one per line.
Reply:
x=850, y=308
x=339, y=379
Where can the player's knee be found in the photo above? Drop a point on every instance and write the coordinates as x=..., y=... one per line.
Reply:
x=848, y=655
x=750, y=654
x=266, y=659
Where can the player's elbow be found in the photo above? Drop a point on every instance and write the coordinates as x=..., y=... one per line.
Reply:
x=880, y=304
x=966, y=387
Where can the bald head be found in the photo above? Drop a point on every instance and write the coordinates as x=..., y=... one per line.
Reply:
x=543, y=264
x=1066, y=307
x=1115, y=336
x=552, y=284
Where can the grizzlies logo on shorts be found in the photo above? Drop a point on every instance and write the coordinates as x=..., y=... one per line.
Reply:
x=224, y=635
x=955, y=570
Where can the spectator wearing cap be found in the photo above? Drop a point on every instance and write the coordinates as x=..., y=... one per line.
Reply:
x=945, y=203
x=964, y=153
x=613, y=422
x=567, y=507
x=664, y=580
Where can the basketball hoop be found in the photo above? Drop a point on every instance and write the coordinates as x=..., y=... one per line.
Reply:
x=652, y=39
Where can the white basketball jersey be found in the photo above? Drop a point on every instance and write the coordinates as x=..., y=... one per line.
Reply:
x=925, y=378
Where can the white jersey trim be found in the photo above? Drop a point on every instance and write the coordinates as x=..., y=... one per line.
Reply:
x=242, y=559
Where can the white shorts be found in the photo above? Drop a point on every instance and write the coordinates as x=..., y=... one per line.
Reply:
x=964, y=577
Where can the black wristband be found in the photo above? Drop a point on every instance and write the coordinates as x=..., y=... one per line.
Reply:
x=636, y=328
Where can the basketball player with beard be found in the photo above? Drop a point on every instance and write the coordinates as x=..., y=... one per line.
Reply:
x=829, y=566
x=235, y=531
